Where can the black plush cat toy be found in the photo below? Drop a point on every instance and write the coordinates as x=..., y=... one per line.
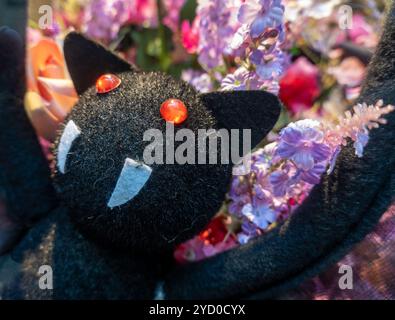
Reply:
x=118, y=220
x=113, y=195
x=338, y=213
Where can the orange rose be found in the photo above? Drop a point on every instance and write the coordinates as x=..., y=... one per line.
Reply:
x=50, y=93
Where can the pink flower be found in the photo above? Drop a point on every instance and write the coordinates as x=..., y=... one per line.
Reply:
x=299, y=86
x=33, y=36
x=173, y=8
x=143, y=12
x=190, y=35
x=349, y=73
x=212, y=240
x=189, y=251
x=356, y=125
x=361, y=32
x=211, y=250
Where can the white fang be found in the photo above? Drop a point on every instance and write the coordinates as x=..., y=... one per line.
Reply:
x=133, y=177
x=70, y=133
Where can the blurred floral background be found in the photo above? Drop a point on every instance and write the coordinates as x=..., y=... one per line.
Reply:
x=313, y=54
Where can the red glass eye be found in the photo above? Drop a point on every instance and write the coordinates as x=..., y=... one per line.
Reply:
x=107, y=83
x=174, y=110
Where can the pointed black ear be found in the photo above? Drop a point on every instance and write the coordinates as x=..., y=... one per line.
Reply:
x=255, y=110
x=87, y=61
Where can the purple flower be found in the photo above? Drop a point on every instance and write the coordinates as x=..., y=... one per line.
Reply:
x=239, y=187
x=280, y=181
x=240, y=37
x=261, y=216
x=261, y=196
x=237, y=204
x=302, y=142
x=210, y=57
x=257, y=43
x=173, y=8
x=243, y=238
x=199, y=80
x=248, y=80
x=216, y=29
x=53, y=30
x=270, y=66
x=248, y=231
x=360, y=142
x=332, y=162
x=271, y=86
x=249, y=228
x=236, y=81
x=103, y=18
x=261, y=14
x=313, y=175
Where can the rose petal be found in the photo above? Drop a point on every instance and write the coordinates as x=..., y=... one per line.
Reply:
x=52, y=71
x=41, y=52
x=60, y=106
x=59, y=86
x=60, y=94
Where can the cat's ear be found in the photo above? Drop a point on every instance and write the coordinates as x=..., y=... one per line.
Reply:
x=87, y=61
x=255, y=110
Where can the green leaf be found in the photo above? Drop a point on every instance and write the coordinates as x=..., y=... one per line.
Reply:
x=188, y=11
x=295, y=51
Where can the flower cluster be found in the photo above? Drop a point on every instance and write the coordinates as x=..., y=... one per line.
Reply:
x=172, y=17
x=190, y=35
x=103, y=18
x=338, y=53
x=239, y=43
x=217, y=24
x=257, y=46
x=283, y=173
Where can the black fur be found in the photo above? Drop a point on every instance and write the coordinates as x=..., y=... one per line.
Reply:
x=81, y=269
x=84, y=66
x=24, y=171
x=112, y=127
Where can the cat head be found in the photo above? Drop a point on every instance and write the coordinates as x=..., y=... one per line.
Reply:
x=102, y=173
